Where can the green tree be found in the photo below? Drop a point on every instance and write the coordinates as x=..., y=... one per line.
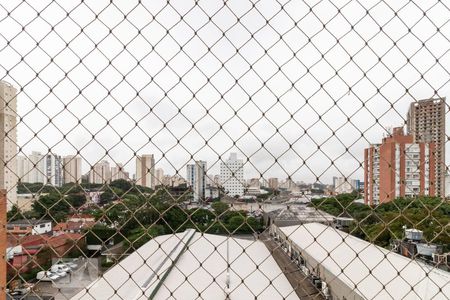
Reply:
x=99, y=234
x=76, y=200
x=121, y=184
x=71, y=188
x=219, y=207
x=51, y=206
x=140, y=236
x=14, y=213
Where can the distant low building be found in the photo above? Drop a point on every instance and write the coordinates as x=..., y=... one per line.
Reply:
x=29, y=227
x=24, y=202
x=81, y=218
x=72, y=227
x=344, y=185
x=296, y=215
x=212, y=192
x=28, y=252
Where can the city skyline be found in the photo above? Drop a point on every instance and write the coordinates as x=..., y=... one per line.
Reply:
x=251, y=170
x=115, y=172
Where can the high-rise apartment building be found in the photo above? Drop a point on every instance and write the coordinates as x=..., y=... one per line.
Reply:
x=53, y=169
x=8, y=140
x=342, y=185
x=118, y=172
x=232, y=176
x=145, y=170
x=40, y=168
x=273, y=183
x=159, y=174
x=196, y=178
x=254, y=182
x=72, y=169
x=23, y=168
x=37, y=167
x=426, y=123
x=398, y=167
x=264, y=183
x=100, y=173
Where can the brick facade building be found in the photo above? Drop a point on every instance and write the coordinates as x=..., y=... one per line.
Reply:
x=399, y=167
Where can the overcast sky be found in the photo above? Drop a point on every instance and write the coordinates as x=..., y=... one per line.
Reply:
x=161, y=78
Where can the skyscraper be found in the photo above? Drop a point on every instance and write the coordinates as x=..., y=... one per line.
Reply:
x=398, y=167
x=232, y=175
x=8, y=138
x=118, y=172
x=72, y=169
x=100, y=173
x=196, y=178
x=426, y=123
x=159, y=174
x=344, y=185
x=23, y=168
x=53, y=169
x=145, y=170
x=37, y=167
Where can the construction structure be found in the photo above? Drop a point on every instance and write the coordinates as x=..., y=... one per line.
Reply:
x=426, y=124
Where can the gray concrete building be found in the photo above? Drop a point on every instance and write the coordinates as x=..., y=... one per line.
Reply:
x=426, y=123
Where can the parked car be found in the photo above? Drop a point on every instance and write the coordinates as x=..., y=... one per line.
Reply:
x=71, y=265
x=60, y=268
x=47, y=276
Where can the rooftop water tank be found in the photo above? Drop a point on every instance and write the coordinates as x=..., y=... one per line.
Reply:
x=414, y=234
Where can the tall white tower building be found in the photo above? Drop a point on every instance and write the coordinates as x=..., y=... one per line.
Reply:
x=8, y=138
x=23, y=168
x=232, y=176
x=196, y=178
x=37, y=167
x=145, y=170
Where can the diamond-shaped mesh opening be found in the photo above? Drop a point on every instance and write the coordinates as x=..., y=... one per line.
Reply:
x=224, y=149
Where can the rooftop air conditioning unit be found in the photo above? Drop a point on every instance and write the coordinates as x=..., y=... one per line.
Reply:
x=317, y=282
x=305, y=270
x=325, y=290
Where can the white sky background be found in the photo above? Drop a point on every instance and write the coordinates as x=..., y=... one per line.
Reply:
x=153, y=44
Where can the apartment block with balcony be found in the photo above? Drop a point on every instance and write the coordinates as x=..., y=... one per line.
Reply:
x=399, y=167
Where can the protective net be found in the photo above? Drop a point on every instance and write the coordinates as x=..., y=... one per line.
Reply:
x=232, y=149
